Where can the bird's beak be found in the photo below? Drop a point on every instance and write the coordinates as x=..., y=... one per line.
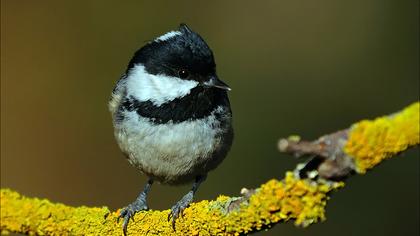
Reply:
x=215, y=82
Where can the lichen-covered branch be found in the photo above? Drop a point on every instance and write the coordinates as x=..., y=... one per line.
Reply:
x=359, y=148
x=301, y=196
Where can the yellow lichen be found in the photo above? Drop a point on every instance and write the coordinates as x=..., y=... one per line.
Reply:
x=276, y=201
x=41, y=217
x=273, y=202
x=292, y=198
x=371, y=141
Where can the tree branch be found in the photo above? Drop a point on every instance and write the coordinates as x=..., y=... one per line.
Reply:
x=301, y=196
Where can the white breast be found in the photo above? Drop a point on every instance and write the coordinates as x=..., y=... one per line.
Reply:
x=168, y=150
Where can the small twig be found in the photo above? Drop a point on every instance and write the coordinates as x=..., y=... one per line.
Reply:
x=356, y=149
x=329, y=159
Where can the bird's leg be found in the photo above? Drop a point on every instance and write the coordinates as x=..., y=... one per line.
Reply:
x=185, y=201
x=140, y=204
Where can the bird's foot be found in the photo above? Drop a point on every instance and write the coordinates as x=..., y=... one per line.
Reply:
x=179, y=207
x=128, y=212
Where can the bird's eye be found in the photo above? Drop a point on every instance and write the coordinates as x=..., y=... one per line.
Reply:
x=183, y=73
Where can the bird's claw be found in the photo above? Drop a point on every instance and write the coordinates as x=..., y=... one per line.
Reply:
x=178, y=209
x=129, y=212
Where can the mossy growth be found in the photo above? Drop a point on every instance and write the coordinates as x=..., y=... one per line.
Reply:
x=372, y=141
x=289, y=199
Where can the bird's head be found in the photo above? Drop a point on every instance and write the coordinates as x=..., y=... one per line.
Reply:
x=170, y=66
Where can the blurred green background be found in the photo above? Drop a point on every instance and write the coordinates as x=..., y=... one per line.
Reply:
x=296, y=67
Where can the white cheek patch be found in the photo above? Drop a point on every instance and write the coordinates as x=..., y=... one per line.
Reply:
x=167, y=36
x=158, y=89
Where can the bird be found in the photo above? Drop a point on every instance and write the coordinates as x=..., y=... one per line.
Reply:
x=171, y=115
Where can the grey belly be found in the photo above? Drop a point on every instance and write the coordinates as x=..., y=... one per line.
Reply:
x=173, y=153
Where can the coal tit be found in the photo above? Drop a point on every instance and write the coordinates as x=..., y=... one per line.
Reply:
x=171, y=115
